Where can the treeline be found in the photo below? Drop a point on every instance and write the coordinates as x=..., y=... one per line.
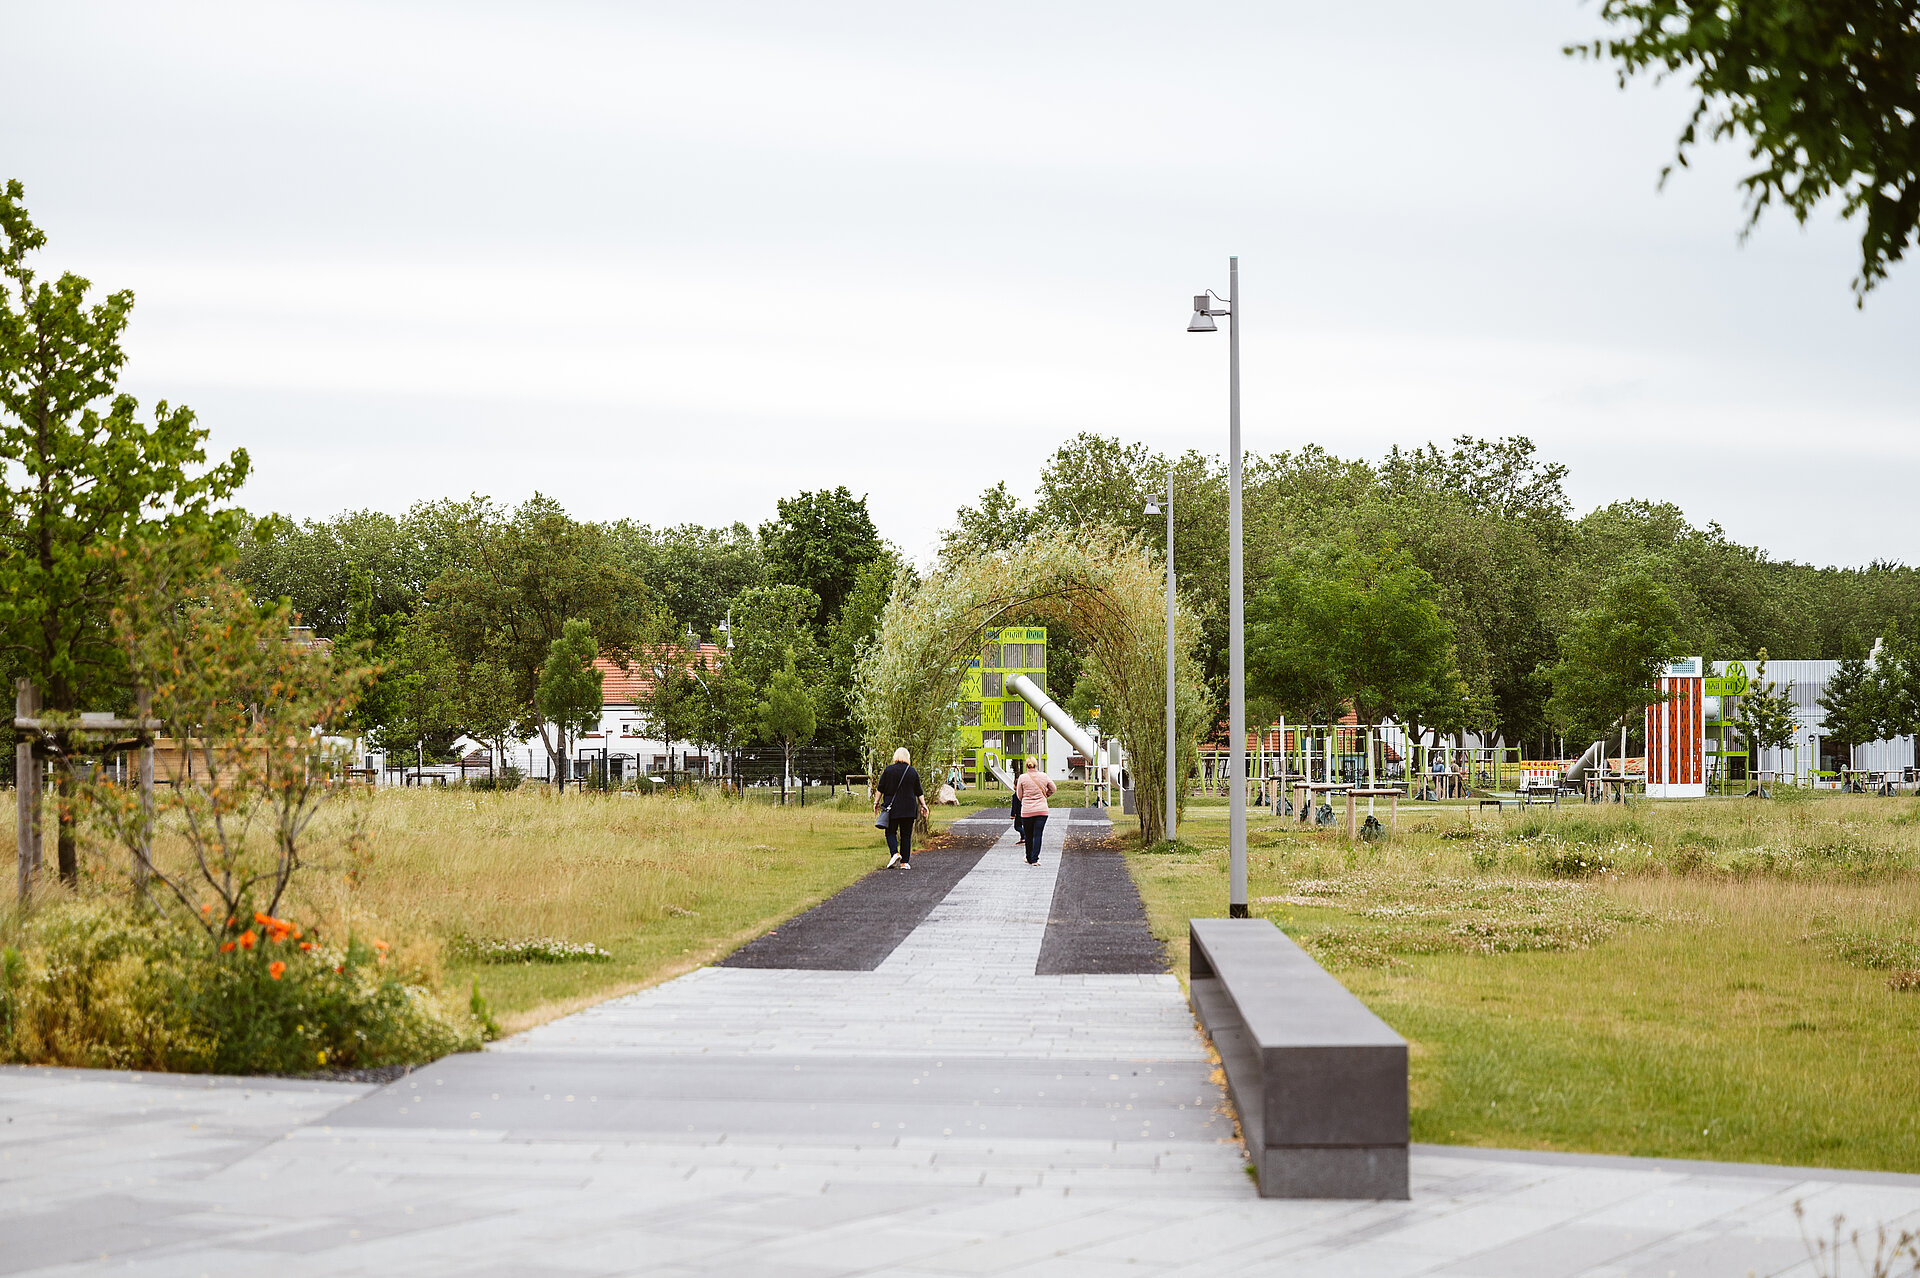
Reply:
x=461, y=604
x=1484, y=534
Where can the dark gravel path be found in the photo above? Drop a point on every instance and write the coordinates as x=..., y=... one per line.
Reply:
x=1097, y=922
x=855, y=929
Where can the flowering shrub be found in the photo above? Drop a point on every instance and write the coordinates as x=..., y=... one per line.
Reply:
x=107, y=984
x=535, y=949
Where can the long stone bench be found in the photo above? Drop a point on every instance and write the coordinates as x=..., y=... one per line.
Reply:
x=1319, y=1081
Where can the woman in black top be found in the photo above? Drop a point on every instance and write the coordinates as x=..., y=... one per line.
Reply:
x=900, y=795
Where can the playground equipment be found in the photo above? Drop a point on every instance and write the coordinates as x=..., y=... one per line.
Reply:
x=1108, y=770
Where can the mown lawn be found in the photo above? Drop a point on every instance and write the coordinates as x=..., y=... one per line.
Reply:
x=1738, y=980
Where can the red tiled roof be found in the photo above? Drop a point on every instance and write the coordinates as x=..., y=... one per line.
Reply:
x=626, y=687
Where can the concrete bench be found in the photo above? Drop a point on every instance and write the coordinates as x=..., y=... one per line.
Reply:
x=1319, y=1081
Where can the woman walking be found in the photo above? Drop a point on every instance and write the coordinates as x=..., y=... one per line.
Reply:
x=1031, y=790
x=898, y=794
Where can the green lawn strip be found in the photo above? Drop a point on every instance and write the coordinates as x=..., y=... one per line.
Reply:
x=1698, y=1020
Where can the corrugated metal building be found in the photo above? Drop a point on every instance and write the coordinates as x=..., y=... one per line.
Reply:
x=1814, y=752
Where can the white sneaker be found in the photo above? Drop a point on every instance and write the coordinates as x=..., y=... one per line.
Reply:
x=906, y=865
x=894, y=862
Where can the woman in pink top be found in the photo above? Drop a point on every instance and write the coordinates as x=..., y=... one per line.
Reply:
x=1033, y=787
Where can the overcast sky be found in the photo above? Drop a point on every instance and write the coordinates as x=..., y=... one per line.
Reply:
x=671, y=262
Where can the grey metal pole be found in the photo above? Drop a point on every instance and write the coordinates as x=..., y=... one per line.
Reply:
x=1173, y=805
x=1236, y=623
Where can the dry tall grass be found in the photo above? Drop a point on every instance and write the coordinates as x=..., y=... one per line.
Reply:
x=662, y=883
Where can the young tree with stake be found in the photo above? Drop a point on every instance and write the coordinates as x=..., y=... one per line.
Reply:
x=81, y=476
x=787, y=716
x=569, y=694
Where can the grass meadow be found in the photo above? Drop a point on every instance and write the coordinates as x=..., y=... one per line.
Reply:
x=1721, y=979
x=662, y=884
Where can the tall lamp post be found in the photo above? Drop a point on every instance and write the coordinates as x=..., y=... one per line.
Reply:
x=1204, y=312
x=1173, y=805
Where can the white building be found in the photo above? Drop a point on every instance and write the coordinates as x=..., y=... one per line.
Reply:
x=1813, y=752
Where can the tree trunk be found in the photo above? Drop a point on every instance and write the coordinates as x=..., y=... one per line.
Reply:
x=69, y=856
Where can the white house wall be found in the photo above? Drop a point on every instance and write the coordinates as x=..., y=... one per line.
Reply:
x=531, y=754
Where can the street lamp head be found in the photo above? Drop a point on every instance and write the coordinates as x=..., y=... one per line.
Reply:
x=1202, y=321
x=1153, y=507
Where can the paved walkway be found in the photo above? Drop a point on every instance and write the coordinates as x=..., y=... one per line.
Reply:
x=945, y=1112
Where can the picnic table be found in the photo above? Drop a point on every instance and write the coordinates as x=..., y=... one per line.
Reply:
x=1392, y=794
x=1527, y=795
x=1609, y=787
x=1307, y=790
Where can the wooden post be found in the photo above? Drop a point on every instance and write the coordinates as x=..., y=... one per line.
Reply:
x=26, y=705
x=144, y=709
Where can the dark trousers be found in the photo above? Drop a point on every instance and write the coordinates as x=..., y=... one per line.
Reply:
x=1033, y=826
x=900, y=837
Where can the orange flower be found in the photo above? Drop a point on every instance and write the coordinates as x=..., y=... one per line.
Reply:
x=205, y=910
x=264, y=920
x=306, y=945
x=381, y=946
x=227, y=948
x=247, y=939
x=275, y=969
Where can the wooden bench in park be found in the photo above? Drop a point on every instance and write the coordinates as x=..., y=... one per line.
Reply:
x=1320, y=1082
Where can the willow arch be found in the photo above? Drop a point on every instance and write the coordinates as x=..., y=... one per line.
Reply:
x=1103, y=585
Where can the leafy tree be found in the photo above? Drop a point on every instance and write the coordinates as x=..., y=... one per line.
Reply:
x=674, y=702
x=569, y=694
x=727, y=717
x=1086, y=694
x=521, y=580
x=996, y=521
x=1611, y=656
x=1896, y=678
x=1097, y=480
x=857, y=625
x=323, y=568
x=1850, y=705
x=82, y=476
x=787, y=716
x=488, y=710
x=255, y=710
x=819, y=543
x=770, y=624
x=1766, y=716
x=417, y=702
x=1346, y=627
x=695, y=572
x=1825, y=96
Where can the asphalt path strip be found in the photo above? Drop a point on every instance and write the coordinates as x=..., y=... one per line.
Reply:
x=857, y=928
x=1097, y=923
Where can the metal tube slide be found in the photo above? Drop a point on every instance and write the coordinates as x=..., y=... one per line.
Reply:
x=1058, y=719
x=1577, y=770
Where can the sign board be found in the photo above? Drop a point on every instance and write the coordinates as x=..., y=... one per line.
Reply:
x=1731, y=682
